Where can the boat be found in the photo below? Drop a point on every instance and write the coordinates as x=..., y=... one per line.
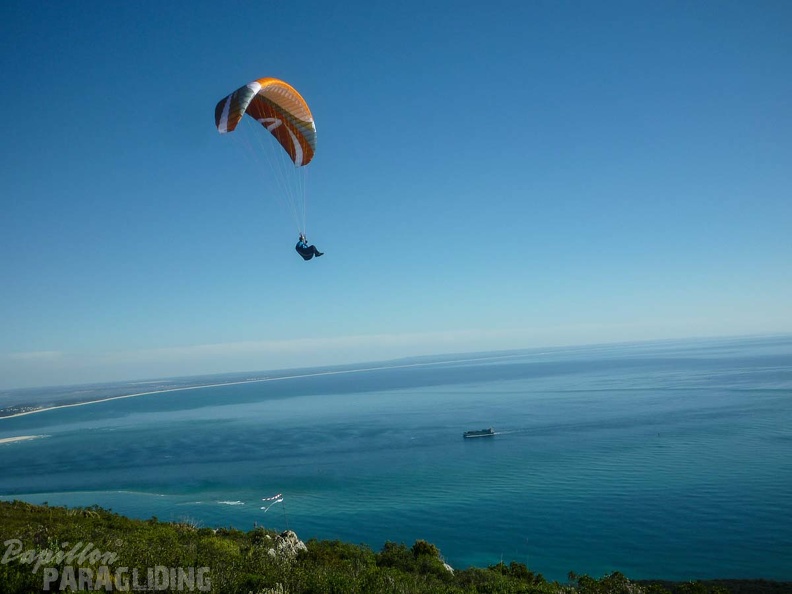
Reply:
x=479, y=433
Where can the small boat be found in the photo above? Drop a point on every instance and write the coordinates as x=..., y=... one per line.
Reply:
x=479, y=433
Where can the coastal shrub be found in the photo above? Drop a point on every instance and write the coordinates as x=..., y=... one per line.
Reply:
x=337, y=553
x=486, y=581
x=214, y=547
x=702, y=588
x=230, y=532
x=518, y=571
x=252, y=582
x=428, y=561
x=239, y=562
x=432, y=566
x=421, y=547
x=422, y=558
x=396, y=555
x=18, y=580
x=259, y=537
x=614, y=583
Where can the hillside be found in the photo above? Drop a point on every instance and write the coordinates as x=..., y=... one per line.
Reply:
x=55, y=548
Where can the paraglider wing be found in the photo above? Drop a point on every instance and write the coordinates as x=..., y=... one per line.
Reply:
x=279, y=108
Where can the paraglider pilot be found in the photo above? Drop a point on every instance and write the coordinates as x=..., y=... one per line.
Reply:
x=305, y=250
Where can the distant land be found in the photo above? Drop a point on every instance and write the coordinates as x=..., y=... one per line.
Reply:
x=26, y=401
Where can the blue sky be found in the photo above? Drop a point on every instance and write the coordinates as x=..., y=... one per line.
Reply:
x=488, y=176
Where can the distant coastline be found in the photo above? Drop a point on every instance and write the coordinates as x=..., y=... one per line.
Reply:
x=21, y=410
x=27, y=408
x=41, y=409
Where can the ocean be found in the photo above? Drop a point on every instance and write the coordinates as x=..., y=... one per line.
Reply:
x=667, y=460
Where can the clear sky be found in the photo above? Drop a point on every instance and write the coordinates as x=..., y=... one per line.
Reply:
x=488, y=175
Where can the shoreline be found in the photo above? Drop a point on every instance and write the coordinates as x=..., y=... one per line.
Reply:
x=247, y=381
x=4, y=440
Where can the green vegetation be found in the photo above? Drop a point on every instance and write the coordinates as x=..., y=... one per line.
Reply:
x=48, y=548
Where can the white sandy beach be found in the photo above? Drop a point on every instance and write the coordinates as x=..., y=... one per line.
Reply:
x=19, y=438
x=249, y=381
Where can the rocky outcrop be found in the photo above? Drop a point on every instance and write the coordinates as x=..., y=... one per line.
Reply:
x=287, y=546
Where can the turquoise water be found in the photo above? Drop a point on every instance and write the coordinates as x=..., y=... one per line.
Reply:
x=665, y=460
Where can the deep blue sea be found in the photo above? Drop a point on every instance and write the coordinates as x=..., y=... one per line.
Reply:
x=661, y=460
